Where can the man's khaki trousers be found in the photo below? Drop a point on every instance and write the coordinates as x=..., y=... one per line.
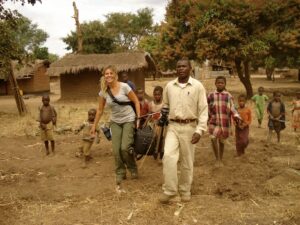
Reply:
x=179, y=151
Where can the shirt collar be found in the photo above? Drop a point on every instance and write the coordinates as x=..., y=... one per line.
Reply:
x=190, y=81
x=222, y=92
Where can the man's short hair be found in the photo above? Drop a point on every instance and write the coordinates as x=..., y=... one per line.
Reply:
x=186, y=59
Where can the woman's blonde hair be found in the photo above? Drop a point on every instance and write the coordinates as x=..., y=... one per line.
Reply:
x=103, y=84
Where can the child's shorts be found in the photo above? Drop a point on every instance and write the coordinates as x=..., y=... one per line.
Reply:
x=47, y=134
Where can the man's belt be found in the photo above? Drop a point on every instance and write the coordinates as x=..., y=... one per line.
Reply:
x=184, y=121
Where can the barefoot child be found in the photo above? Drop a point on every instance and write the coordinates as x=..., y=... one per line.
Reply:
x=276, y=111
x=242, y=128
x=87, y=139
x=260, y=102
x=144, y=106
x=221, y=110
x=296, y=112
x=47, y=121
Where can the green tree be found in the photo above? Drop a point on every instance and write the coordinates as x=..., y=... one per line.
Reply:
x=120, y=32
x=18, y=39
x=288, y=27
x=127, y=29
x=10, y=49
x=19, y=36
x=43, y=53
x=282, y=32
x=151, y=43
x=234, y=31
x=28, y=35
x=95, y=39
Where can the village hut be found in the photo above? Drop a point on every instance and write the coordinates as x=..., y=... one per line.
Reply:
x=80, y=74
x=31, y=78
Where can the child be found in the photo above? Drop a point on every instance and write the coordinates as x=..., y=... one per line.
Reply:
x=47, y=121
x=87, y=139
x=260, y=101
x=156, y=105
x=276, y=112
x=220, y=109
x=242, y=128
x=144, y=106
x=296, y=112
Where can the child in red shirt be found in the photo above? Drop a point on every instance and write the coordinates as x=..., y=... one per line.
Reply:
x=242, y=127
x=144, y=106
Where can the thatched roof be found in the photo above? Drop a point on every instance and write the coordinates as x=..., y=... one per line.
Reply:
x=74, y=64
x=26, y=70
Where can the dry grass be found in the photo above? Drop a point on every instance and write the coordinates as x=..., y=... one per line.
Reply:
x=35, y=189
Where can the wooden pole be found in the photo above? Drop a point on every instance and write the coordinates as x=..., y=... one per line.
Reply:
x=14, y=85
x=78, y=29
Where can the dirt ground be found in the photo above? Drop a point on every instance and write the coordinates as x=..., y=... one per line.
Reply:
x=262, y=188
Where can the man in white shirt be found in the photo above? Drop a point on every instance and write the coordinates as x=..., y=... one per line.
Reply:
x=186, y=99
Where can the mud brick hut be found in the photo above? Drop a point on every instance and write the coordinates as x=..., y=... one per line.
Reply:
x=31, y=78
x=80, y=74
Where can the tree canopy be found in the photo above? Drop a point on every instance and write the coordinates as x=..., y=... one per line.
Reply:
x=231, y=30
x=20, y=39
x=120, y=32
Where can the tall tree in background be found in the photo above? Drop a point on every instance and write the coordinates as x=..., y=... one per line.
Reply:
x=95, y=39
x=28, y=35
x=120, y=32
x=151, y=42
x=127, y=29
x=177, y=37
x=10, y=49
x=230, y=30
x=287, y=32
x=78, y=29
x=282, y=32
x=19, y=38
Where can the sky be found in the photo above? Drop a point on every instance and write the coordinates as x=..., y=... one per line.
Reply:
x=55, y=16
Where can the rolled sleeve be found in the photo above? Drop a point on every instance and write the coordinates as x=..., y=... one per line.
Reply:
x=165, y=98
x=202, y=112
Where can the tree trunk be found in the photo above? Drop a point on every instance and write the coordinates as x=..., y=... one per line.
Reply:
x=299, y=74
x=14, y=85
x=78, y=29
x=269, y=73
x=244, y=75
